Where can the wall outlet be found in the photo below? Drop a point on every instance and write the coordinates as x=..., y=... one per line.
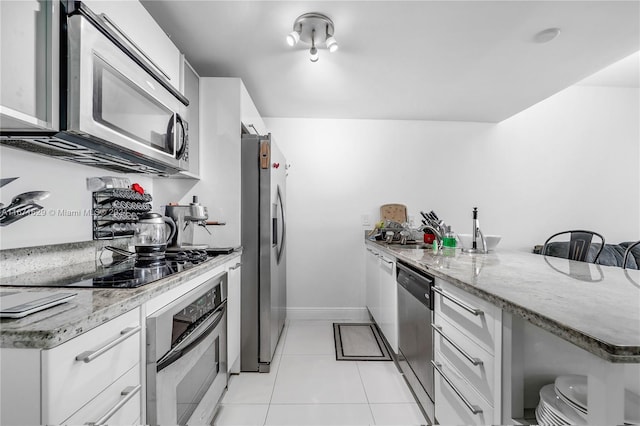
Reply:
x=366, y=221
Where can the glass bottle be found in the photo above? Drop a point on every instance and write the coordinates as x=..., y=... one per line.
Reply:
x=449, y=239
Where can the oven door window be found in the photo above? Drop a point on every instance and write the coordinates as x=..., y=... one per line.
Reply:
x=125, y=108
x=197, y=381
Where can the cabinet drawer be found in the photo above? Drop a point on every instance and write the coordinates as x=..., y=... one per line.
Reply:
x=474, y=363
x=121, y=402
x=69, y=383
x=450, y=407
x=456, y=306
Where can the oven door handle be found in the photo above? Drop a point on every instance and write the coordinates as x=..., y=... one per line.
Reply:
x=196, y=336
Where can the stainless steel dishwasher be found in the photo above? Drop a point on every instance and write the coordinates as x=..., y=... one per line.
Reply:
x=415, y=339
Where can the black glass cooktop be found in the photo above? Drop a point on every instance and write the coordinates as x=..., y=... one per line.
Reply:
x=127, y=273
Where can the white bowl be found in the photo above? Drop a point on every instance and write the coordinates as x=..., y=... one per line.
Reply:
x=466, y=240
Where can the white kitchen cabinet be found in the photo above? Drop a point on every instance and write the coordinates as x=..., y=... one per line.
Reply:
x=389, y=301
x=467, y=354
x=372, y=282
x=451, y=394
x=222, y=102
x=78, y=381
x=381, y=294
x=29, y=65
x=233, y=316
x=79, y=370
x=119, y=404
x=148, y=39
x=191, y=89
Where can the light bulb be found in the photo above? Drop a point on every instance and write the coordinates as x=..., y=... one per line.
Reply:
x=314, y=54
x=293, y=38
x=332, y=44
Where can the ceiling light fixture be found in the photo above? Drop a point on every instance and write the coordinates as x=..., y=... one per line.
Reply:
x=315, y=29
x=313, y=51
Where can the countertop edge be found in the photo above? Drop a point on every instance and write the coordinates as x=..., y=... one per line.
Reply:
x=603, y=350
x=50, y=338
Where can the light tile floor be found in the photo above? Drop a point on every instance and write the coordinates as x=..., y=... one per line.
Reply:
x=307, y=386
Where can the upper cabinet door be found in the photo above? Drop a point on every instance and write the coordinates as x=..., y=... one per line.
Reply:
x=29, y=65
x=191, y=90
x=131, y=19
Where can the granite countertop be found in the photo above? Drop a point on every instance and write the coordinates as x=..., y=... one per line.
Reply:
x=89, y=309
x=594, y=307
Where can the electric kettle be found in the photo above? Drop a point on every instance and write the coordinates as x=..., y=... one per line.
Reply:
x=151, y=235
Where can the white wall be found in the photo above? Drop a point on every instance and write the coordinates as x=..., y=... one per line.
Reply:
x=571, y=161
x=219, y=186
x=66, y=216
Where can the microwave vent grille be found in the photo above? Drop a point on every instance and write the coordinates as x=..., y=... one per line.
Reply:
x=66, y=150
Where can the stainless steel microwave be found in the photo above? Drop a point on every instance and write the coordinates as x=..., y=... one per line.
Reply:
x=117, y=111
x=112, y=98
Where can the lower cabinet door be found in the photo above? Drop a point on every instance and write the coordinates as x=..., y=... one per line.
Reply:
x=233, y=317
x=118, y=404
x=457, y=403
x=78, y=370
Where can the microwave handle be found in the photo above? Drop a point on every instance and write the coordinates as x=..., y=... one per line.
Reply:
x=169, y=137
x=183, y=146
x=113, y=25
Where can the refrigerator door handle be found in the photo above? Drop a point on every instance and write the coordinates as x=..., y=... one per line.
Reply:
x=274, y=225
x=284, y=225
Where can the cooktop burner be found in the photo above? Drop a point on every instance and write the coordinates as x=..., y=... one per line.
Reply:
x=130, y=273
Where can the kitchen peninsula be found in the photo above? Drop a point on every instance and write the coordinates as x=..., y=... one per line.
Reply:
x=546, y=302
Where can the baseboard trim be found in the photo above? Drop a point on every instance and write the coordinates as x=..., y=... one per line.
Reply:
x=353, y=314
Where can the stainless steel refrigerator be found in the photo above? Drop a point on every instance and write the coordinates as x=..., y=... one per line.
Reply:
x=264, y=277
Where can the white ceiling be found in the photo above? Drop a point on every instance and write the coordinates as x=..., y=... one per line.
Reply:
x=414, y=60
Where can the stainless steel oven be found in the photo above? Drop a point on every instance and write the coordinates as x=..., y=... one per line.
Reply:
x=187, y=356
x=415, y=337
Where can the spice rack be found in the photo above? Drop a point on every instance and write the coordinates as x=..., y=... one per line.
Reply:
x=116, y=211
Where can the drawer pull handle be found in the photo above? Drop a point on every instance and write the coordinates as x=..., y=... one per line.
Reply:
x=388, y=262
x=128, y=393
x=471, y=309
x=89, y=356
x=472, y=360
x=236, y=266
x=473, y=408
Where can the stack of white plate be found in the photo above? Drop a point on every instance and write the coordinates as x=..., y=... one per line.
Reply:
x=565, y=402
x=554, y=411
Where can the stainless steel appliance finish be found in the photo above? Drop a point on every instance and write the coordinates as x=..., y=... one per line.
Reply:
x=117, y=110
x=187, y=356
x=187, y=217
x=415, y=339
x=264, y=251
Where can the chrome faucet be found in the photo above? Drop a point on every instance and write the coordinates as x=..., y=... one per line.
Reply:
x=477, y=233
x=434, y=231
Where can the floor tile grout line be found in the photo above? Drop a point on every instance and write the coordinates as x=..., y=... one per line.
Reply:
x=366, y=395
x=285, y=333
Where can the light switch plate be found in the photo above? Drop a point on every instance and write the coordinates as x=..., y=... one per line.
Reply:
x=366, y=221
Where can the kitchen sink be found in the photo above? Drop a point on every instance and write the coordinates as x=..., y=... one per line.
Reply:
x=410, y=246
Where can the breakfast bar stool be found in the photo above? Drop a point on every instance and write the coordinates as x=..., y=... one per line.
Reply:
x=579, y=243
x=627, y=253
